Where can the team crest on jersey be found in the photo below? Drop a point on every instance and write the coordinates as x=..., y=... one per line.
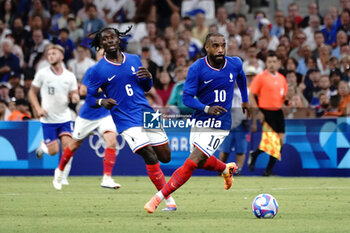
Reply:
x=133, y=70
x=231, y=77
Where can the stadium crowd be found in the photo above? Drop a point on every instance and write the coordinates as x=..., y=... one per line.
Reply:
x=168, y=35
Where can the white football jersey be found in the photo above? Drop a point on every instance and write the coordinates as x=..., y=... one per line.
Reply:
x=54, y=91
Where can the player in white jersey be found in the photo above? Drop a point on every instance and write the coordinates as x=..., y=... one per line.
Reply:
x=56, y=85
x=88, y=120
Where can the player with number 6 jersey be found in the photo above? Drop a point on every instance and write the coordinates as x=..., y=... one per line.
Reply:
x=124, y=81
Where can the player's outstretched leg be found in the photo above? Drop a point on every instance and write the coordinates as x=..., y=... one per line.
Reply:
x=226, y=170
x=179, y=177
x=108, y=164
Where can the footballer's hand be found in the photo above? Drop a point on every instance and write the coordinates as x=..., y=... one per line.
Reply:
x=108, y=103
x=143, y=73
x=41, y=112
x=216, y=110
x=246, y=109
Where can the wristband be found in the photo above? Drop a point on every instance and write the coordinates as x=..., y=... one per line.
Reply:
x=99, y=103
x=206, y=109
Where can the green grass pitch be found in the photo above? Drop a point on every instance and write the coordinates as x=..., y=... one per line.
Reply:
x=30, y=204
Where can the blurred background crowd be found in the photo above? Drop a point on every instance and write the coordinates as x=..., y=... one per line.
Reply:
x=313, y=47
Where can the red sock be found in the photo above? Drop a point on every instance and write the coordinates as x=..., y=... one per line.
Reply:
x=109, y=161
x=67, y=154
x=213, y=164
x=156, y=175
x=179, y=177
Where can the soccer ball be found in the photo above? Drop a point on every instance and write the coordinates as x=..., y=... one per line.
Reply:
x=265, y=206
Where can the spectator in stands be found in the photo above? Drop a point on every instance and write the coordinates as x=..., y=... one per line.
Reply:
x=164, y=9
x=21, y=112
x=66, y=43
x=169, y=34
x=166, y=86
x=16, y=50
x=28, y=79
x=333, y=63
x=3, y=30
x=4, y=91
x=93, y=22
x=175, y=22
x=324, y=85
x=55, y=16
x=156, y=51
x=233, y=48
x=278, y=28
x=145, y=11
x=329, y=29
x=175, y=99
x=4, y=111
x=345, y=63
x=169, y=64
x=19, y=93
x=262, y=46
x=222, y=18
x=232, y=31
x=36, y=51
x=323, y=107
x=302, y=63
x=76, y=34
x=193, y=45
x=319, y=40
x=341, y=39
x=258, y=16
x=299, y=40
x=314, y=26
x=247, y=42
x=14, y=80
x=81, y=63
x=312, y=9
x=252, y=60
x=8, y=62
x=241, y=23
x=344, y=93
x=323, y=59
x=284, y=40
x=289, y=27
x=292, y=78
x=335, y=77
x=8, y=12
x=312, y=89
x=213, y=28
x=265, y=28
x=345, y=22
x=83, y=14
x=293, y=13
x=38, y=9
x=65, y=14
x=282, y=55
x=201, y=30
x=18, y=31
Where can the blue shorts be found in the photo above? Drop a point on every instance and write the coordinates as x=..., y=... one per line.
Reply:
x=236, y=139
x=53, y=131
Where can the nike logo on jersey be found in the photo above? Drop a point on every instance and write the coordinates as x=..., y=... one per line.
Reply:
x=208, y=81
x=110, y=79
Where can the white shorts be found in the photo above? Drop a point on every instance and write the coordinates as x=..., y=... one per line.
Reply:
x=138, y=137
x=84, y=127
x=207, y=140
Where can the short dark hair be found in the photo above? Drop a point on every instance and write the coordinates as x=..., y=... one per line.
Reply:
x=211, y=35
x=271, y=53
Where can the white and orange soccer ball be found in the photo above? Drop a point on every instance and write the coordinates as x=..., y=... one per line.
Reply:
x=265, y=206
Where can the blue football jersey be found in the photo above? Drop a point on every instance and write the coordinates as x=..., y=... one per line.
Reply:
x=215, y=87
x=88, y=112
x=120, y=82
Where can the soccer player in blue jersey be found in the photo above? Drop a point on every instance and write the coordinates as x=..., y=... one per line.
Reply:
x=209, y=90
x=124, y=81
x=87, y=121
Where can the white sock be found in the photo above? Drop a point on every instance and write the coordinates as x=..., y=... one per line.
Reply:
x=225, y=171
x=160, y=194
x=170, y=201
x=67, y=168
x=44, y=148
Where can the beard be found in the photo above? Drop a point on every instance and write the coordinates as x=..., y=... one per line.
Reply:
x=217, y=59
